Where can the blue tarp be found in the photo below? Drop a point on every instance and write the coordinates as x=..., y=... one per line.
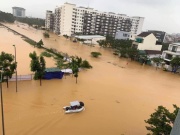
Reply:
x=53, y=75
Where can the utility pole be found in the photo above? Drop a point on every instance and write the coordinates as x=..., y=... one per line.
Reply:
x=16, y=65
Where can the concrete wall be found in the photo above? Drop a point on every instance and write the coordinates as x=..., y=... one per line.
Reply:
x=120, y=35
x=149, y=43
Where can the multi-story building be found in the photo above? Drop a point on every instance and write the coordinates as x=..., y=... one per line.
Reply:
x=160, y=35
x=69, y=19
x=18, y=11
x=172, y=52
x=49, y=22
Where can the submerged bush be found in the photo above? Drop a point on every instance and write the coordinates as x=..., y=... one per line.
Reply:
x=95, y=54
x=85, y=64
x=46, y=35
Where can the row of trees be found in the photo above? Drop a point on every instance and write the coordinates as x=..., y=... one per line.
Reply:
x=6, y=17
x=31, y=21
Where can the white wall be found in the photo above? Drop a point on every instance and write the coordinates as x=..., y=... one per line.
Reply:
x=66, y=19
x=120, y=35
x=149, y=43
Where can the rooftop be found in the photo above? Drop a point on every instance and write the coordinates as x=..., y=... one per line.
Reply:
x=18, y=8
x=89, y=36
x=144, y=34
x=52, y=70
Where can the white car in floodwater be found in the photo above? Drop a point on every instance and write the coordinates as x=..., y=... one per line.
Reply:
x=75, y=107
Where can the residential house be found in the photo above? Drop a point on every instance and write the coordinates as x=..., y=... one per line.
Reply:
x=173, y=51
x=146, y=41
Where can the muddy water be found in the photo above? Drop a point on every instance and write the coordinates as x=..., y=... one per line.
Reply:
x=118, y=96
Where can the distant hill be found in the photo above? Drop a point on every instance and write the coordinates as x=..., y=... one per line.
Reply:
x=6, y=17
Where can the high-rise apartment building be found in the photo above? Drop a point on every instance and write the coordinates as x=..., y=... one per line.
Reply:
x=49, y=22
x=69, y=19
x=18, y=11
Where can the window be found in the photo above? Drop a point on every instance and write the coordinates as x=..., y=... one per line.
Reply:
x=174, y=48
x=168, y=56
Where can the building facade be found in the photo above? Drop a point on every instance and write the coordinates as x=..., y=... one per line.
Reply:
x=69, y=20
x=124, y=35
x=172, y=52
x=18, y=11
x=160, y=35
x=146, y=41
x=49, y=22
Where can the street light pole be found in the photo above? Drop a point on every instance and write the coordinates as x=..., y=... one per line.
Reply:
x=16, y=65
x=2, y=110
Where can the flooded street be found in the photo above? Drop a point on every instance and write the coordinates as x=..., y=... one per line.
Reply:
x=118, y=97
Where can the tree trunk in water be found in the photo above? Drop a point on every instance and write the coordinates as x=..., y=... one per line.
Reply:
x=7, y=83
x=76, y=80
x=40, y=82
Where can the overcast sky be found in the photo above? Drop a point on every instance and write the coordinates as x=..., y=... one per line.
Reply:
x=161, y=15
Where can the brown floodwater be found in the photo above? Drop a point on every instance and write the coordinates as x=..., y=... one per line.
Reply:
x=118, y=96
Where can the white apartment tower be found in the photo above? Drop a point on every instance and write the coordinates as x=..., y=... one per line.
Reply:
x=69, y=19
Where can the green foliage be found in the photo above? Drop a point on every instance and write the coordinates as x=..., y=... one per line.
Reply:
x=31, y=21
x=55, y=52
x=6, y=17
x=8, y=64
x=102, y=43
x=66, y=36
x=74, y=65
x=38, y=65
x=157, y=60
x=161, y=121
x=61, y=63
x=31, y=42
x=85, y=64
x=132, y=53
x=39, y=44
x=46, y=35
x=175, y=63
x=143, y=59
x=46, y=54
x=164, y=46
x=95, y=54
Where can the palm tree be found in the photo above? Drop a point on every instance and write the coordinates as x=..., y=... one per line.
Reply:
x=38, y=65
